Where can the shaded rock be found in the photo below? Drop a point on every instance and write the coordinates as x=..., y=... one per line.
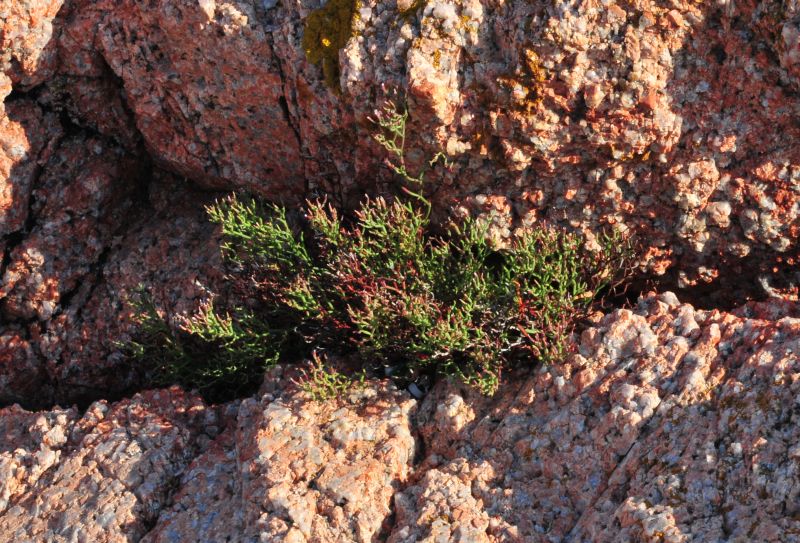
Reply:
x=169, y=249
x=27, y=137
x=79, y=202
x=84, y=222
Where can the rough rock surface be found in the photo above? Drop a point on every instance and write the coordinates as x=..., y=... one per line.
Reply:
x=673, y=120
x=27, y=47
x=654, y=117
x=644, y=115
x=101, y=477
x=668, y=424
x=162, y=466
x=84, y=223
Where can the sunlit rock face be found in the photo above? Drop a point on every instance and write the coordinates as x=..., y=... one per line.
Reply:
x=668, y=423
x=673, y=122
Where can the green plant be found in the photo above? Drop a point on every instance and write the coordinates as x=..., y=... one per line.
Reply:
x=392, y=122
x=383, y=285
x=219, y=353
x=322, y=382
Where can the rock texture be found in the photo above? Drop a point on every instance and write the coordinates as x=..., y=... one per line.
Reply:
x=667, y=424
x=86, y=223
x=657, y=118
x=674, y=121
x=646, y=115
x=100, y=477
x=163, y=466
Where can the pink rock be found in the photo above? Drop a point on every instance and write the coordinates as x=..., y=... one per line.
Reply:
x=285, y=476
x=102, y=477
x=27, y=50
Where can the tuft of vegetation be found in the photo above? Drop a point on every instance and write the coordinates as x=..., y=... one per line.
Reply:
x=323, y=382
x=222, y=354
x=383, y=285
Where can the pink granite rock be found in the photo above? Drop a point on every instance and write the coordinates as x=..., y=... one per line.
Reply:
x=674, y=121
x=32, y=444
x=27, y=138
x=669, y=424
x=640, y=117
x=645, y=117
x=27, y=50
x=84, y=222
x=195, y=101
x=298, y=470
x=103, y=477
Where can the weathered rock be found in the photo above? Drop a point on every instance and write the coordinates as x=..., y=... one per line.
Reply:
x=635, y=117
x=646, y=117
x=78, y=204
x=32, y=444
x=170, y=250
x=27, y=50
x=669, y=424
x=79, y=236
x=103, y=477
x=298, y=470
x=27, y=138
x=195, y=101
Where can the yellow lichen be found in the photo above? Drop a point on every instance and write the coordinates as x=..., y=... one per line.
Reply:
x=325, y=33
x=526, y=83
x=534, y=67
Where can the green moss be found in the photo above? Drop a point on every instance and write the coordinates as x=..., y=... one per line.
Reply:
x=326, y=32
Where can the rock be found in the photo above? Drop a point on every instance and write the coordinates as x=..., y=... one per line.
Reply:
x=668, y=422
x=263, y=469
x=297, y=470
x=594, y=120
x=101, y=477
x=194, y=101
x=79, y=236
x=27, y=137
x=27, y=49
x=169, y=249
x=650, y=431
x=32, y=444
x=653, y=436
x=644, y=122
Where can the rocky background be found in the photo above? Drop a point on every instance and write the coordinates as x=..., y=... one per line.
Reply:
x=675, y=121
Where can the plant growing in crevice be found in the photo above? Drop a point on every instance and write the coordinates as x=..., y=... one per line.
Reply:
x=383, y=286
x=220, y=353
x=323, y=382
